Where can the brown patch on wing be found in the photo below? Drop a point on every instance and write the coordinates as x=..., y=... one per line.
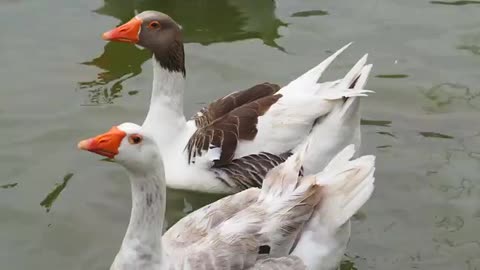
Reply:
x=222, y=106
x=225, y=132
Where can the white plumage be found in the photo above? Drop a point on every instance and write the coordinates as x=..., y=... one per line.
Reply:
x=327, y=111
x=264, y=135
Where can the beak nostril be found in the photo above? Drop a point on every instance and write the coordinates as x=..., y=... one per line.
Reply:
x=123, y=30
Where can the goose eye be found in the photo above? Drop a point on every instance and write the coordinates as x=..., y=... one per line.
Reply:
x=135, y=139
x=154, y=25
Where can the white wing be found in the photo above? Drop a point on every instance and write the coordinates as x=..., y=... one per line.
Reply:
x=303, y=104
x=347, y=185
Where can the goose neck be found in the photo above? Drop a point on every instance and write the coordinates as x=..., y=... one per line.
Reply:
x=165, y=116
x=142, y=244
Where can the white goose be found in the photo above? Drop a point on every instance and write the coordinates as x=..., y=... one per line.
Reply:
x=232, y=143
x=290, y=223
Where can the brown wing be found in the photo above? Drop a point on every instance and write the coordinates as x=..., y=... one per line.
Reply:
x=222, y=106
x=225, y=132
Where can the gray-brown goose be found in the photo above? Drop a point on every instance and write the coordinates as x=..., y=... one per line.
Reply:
x=290, y=223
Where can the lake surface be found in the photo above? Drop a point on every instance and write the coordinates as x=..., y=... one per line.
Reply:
x=64, y=209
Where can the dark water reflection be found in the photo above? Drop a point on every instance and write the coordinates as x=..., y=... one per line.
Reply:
x=380, y=123
x=182, y=202
x=475, y=49
x=51, y=197
x=121, y=62
x=455, y=3
x=429, y=134
x=309, y=13
x=386, y=133
x=449, y=96
x=348, y=265
x=6, y=186
x=391, y=76
x=471, y=43
x=236, y=20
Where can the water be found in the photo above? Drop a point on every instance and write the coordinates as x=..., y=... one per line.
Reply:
x=64, y=209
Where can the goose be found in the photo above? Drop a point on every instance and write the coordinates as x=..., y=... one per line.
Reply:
x=232, y=143
x=290, y=222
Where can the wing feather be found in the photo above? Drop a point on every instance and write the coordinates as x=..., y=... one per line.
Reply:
x=282, y=263
x=249, y=171
x=222, y=106
x=230, y=233
x=225, y=132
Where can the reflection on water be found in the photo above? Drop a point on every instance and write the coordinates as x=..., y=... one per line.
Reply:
x=384, y=146
x=380, y=123
x=201, y=22
x=391, y=76
x=451, y=224
x=464, y=189
x=309, y=13
x=447, y=97
x=456, y=230
x=359, y=216
x=11, y=185
x=471, y=43
x=429, y=134
x=455, y=3
x=386, y=133
x=348, y=265
x=183, y=202
x=53, y=195
x=120, y=61
x=475, y=49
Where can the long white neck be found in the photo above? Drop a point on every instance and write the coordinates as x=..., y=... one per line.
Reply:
x=142, y=245
x=165, y=118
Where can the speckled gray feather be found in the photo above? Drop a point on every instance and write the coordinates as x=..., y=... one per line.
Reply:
x=228, y=233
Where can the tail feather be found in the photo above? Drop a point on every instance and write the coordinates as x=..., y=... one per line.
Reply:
x=346, y=186
x=355, y=77
x=310, y=78
x=338, y=93
x=340, y=127
x=283, y=179
x=289, y=201
x=354, y=72
x=343, y=87
x=362, y=79
x=346, y=197
x=341, y=158
x=351, y=106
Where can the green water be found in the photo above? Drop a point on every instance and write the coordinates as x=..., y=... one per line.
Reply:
x=65, y=209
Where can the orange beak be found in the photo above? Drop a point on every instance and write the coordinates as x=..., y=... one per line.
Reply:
x=127, y=32
x=105, y=144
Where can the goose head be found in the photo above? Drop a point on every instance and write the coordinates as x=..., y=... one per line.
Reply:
x=128, y=145
x=156, y=32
